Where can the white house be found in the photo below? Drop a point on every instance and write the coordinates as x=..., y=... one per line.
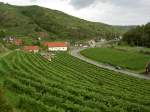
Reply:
x=56, y=46
x=92, y=43
x=34, y=49
x=103, y=40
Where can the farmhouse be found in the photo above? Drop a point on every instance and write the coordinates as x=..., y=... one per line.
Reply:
x=56, y=46
x=9, y=39
x=33, y=49
x=92, y=43
x=13, y=40
x=18, y=42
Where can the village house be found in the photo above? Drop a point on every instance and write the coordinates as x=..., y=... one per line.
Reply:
x=78, y=45
x=34, y=49
x=9, y=39
x=13, y=40
x=56, y=46
x=92, y=43
x=18, y=42
x=102, y=40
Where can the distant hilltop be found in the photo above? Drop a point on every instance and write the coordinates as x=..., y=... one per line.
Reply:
x=53, y=24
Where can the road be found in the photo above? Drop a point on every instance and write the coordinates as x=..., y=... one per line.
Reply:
x=76, y=53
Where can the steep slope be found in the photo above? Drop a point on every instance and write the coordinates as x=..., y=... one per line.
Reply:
x=14, y=22
x=67, y=84
x=24, y=21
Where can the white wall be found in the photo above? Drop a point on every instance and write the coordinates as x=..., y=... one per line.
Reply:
x=35, y=51
x=57, y=48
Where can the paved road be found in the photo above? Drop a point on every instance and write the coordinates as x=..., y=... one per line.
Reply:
x=76, y=53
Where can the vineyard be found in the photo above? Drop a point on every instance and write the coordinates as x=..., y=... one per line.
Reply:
x=67, y=84
x=130, y=59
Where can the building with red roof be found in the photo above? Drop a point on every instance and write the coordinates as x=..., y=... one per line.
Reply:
x=18, y=42
x=56, y=46
x=33, y=49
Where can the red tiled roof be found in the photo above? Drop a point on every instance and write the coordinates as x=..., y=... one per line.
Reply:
x=18, y=41
x=55, y=44
x=28, y=48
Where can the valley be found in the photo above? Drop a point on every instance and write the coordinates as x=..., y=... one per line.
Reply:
x=51, y=61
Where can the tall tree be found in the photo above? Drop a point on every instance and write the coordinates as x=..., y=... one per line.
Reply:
x=139, y=36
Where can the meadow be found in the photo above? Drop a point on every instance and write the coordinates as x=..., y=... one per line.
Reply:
x=132, y=48
x=67, y=84
x=125, y=57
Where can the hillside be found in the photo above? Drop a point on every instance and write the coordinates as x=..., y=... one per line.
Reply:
x=67, y=84
x=32, y=20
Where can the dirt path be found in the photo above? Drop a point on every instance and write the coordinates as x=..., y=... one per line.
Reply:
x=76, y=53
x=5, y=54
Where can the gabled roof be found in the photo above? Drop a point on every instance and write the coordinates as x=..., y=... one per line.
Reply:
x=55, y=44
x=18, y=41
x=28, y=48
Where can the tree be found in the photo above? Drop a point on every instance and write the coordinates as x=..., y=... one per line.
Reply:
x=2, y=33
x=139, y=36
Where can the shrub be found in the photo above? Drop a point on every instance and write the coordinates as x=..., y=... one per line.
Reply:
x=4, y=106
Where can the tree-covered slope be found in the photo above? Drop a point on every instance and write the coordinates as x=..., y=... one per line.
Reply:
x=139, y=36
x=27, y=20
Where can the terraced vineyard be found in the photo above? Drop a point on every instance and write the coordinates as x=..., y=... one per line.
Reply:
x=32, y=84
x=130, y=59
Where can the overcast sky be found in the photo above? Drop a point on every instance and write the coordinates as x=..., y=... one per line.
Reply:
x=115, y=12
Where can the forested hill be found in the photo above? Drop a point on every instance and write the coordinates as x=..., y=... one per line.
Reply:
x=32, y=20
x=139, y=36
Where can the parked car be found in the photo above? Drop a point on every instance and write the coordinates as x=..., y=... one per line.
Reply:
x=118, y=67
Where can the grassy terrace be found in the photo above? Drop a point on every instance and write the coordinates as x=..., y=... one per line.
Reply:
x=67, y=84
x=125, y=57
x=133, y=49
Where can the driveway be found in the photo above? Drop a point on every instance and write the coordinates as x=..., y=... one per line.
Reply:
x=76, y=53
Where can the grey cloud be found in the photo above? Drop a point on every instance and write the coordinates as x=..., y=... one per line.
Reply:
x=125, y=3
x=78, y=4
x=33, y=1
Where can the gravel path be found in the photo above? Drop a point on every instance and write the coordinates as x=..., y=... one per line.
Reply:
x=5, y=54
x=76, y=53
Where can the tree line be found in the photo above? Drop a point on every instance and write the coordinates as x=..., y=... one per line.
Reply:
x=139, y=36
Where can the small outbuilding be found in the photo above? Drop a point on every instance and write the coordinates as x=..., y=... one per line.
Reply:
x=92, y=43
x=47, y=56
x=34, y=49
x=148, y=67
x=18, y=42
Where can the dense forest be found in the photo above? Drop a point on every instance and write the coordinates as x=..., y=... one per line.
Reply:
x=36, y=21
x=139, y=36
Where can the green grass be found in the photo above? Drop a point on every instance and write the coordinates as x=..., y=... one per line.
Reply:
x=133, y=49
x=68, y=84
x=126, y=58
